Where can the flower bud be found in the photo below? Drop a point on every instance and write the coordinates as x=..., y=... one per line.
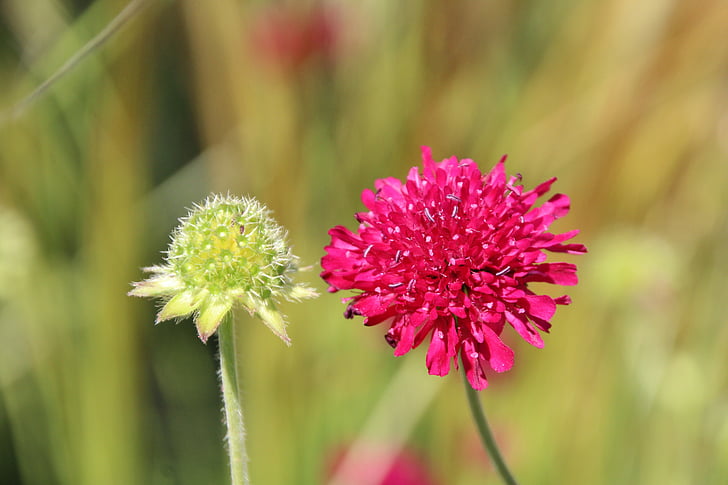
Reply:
x=227, y=251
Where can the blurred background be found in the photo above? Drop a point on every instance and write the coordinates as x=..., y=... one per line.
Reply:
x=303, y=104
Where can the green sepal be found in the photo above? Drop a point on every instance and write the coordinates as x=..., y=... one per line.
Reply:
x=211, y=314
x=301, y=292
x=157, y=286
x=181, y=305
x=273, y=319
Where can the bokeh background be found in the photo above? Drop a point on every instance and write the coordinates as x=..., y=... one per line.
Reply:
x=303, y=104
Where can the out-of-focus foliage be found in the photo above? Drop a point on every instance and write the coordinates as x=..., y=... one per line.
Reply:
x=302, y=105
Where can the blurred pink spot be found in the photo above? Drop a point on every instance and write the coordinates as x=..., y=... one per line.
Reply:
x=378, y=465
x=291, y=38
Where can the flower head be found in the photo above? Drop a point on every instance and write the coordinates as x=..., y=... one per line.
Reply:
x=449, y=255
x=228, y=250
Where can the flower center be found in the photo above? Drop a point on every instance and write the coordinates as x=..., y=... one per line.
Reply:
x=228, y=248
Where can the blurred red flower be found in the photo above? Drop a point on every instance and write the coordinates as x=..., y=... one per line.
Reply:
x=290, y=38
x=449, y=254
x=379, y=465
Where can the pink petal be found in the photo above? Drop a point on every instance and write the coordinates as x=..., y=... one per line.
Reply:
x=556, y=273
x=539, y=190
x=406, y=338
x=458, y=311
x=426, y=155
x=568, y=248
x=500, y=356
x=437, y=360
x=543, y=325
x=524, y=328
x=497, y=175
x=541, y=306
x=369, y=199
x=373, y=304
x=473, y=367
x=341, y=234
x=427, y=162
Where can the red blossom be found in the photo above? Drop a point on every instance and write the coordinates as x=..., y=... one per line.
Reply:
x=448, y=255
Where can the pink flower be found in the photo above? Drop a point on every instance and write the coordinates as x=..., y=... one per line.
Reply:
x=449, y=254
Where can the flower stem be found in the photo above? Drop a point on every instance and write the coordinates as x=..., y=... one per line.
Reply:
x=485, y=434
x=229, y=374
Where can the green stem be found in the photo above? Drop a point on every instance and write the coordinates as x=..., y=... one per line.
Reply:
x=485, y=434
x=230, y=376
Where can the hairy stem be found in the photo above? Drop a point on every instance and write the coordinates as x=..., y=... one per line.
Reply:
x=231, y=395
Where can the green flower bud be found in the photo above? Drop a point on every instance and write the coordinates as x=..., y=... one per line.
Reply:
x=227, y=251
